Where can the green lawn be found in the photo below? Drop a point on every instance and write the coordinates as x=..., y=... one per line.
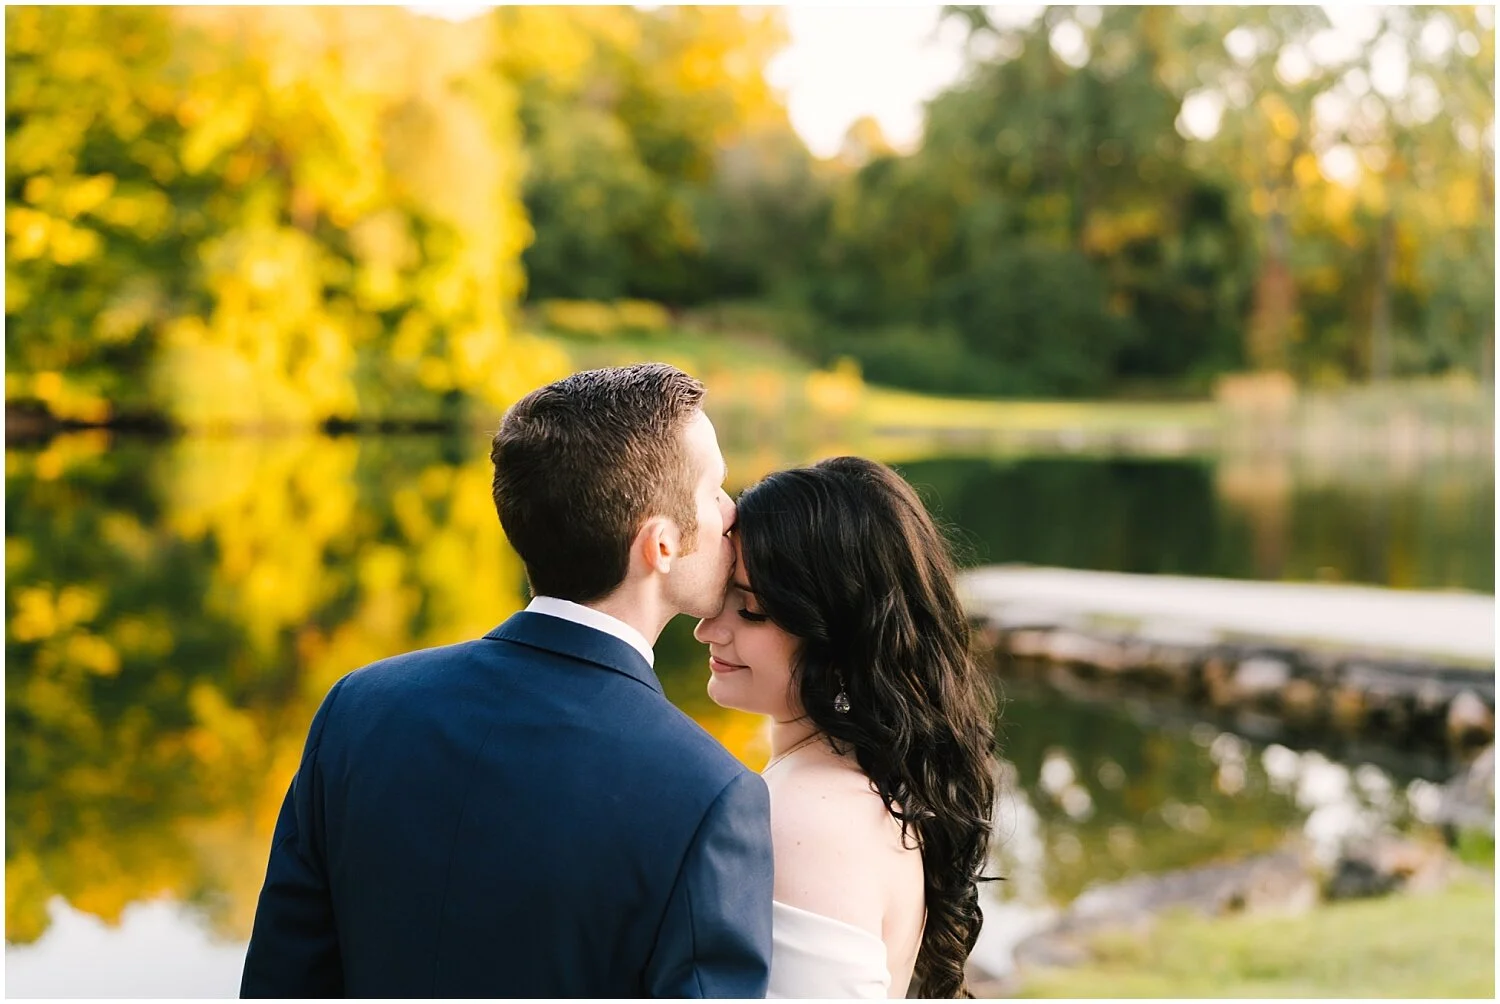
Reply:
x=686, y=349
x=1435, y=945
x=890, y=408
x=731, y=357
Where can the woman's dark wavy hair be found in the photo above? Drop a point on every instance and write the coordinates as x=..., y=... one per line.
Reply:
x=843, y=556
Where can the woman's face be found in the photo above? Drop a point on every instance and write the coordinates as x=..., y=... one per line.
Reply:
x=750, y=658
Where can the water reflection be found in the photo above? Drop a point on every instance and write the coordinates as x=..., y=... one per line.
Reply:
x=176, y=612
x=1096, y=793
x=1429, y=527
x=157, y=949
x=174, y=616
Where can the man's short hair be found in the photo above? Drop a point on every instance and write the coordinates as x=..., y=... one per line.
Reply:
x=582, y=463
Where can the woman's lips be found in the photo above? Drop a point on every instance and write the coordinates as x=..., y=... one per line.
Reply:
x=720, y=666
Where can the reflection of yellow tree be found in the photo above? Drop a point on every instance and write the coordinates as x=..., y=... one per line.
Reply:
x=96, y=748
x=167, y=648
x=417, y=559
x=275, y=510
x=163, y=665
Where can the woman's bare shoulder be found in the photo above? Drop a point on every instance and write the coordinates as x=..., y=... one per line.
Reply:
x=831, y=792
x=814, y=792
x=834, y=841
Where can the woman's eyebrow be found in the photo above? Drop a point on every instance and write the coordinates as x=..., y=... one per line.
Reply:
x=742, y=587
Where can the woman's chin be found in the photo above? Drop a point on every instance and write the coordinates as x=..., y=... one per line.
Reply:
x=716, y=692
x=722, y=693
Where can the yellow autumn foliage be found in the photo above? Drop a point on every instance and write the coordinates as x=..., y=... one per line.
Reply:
x=257, y=204
x=190, y=614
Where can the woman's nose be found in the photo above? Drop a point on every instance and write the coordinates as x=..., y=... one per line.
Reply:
x=709, y=630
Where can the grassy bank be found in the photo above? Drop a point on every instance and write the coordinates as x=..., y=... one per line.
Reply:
x=761, y=369
x=1435, y=945
x=684, y=348
x=756, y=372
x=897, y=410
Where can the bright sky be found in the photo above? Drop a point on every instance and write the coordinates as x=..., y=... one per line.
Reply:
x=845, y=62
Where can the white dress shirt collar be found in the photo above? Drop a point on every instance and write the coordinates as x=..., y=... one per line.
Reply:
x=589, y=617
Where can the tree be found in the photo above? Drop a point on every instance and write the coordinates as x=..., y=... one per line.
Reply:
x=632, y=117
x=258, y=216
x=1050, y=221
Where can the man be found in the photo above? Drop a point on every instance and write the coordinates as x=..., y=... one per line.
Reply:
x=526, y=815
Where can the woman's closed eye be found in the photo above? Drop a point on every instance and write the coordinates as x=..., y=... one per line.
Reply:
x=745, y=595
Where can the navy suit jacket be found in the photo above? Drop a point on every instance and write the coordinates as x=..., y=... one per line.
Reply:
x=525, y=815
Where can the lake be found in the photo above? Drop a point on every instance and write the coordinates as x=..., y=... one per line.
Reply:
x=176, y=610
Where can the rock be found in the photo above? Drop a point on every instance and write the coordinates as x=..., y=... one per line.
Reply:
x=1470, y=720
x=1402, y=702
x=1301, y=699
x=1215, y=675
x=1468, y=801
x=1053, y=950
x=1275, y=882
x=1388, y=864
x=1347, y=709
x=1081, y=649
x=987, y=636
x=1431, y=696
x=1260, y=676
x=1028, y=643
x=986, y=987
x=1356, y=878
x=1389, y=712
x=1177, y=660
x=1385, y=688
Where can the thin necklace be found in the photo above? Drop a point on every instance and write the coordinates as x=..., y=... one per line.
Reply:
x=795, y=747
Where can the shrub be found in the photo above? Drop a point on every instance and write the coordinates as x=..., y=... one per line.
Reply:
x=601, y=319
x=578, y=317
x=641, y=317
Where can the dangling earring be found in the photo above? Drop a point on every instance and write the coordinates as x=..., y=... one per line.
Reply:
x=841, y=700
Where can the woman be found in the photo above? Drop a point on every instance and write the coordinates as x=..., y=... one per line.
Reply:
x=842, y=624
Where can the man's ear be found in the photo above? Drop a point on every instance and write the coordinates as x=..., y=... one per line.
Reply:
x=659, y=543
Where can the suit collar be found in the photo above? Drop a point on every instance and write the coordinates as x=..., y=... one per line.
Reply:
x=597, y=619
x=576, y=641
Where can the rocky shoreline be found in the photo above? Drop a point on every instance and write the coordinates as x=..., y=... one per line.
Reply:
x=1430, y=706
x=1245, y=651
x=1368, y=675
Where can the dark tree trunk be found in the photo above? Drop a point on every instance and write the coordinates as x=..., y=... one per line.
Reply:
x=1275, y=303
x=1380, y=309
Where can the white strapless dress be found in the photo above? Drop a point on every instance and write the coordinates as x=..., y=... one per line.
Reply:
x=817, y=956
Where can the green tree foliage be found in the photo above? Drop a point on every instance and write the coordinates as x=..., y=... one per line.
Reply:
x=1336, y=221
x=764, y=218
x=1375, y=272
x=661, y=164
x=1068, y=225
x=1050, y=221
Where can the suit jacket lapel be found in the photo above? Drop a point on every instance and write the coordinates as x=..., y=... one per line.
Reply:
x=563, y=637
